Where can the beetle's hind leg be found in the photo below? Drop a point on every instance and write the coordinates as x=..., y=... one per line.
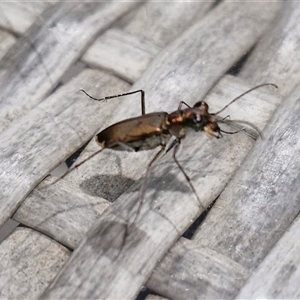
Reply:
x=145, y=181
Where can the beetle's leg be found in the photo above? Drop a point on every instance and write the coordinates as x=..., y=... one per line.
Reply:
x=145, y=181
x=182, y=103
x=176, y=147
x=120, y=95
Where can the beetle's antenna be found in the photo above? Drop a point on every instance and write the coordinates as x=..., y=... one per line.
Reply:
x=232, y=132
x=240, y=96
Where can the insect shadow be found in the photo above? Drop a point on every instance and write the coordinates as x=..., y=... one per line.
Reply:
x=152, y=130
x=110, y=187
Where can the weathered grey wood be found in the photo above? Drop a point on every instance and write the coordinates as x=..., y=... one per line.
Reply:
x=47, y=50
x=18, y=17
x=276, y=56
x=7, y=40
x=121, y=53
x=154, y=231
x=278, y=276
x=261, y=201
x=48, y=134
x=66, y=216
x=162, y=22
x=127, y=52
x=28, y=263
x=158, y=178
x=155, y=297
x=69, y=205
x=187, y=270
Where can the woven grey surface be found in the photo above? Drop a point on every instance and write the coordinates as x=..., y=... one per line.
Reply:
x=84, y=237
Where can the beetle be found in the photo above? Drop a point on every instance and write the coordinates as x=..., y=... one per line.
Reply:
x=152, y=130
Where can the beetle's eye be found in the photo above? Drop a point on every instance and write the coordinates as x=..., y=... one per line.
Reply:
x=198, y=104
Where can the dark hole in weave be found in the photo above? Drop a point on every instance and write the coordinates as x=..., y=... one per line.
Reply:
x=189, y=233
x=109, y=187
x=238, y=66
x=217, y=2
x=144, y=292
x=75, y=155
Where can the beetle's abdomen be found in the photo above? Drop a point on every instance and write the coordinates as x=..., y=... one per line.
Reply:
x=135, y=134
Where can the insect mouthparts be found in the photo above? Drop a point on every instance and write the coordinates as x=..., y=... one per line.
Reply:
x=198, y=117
